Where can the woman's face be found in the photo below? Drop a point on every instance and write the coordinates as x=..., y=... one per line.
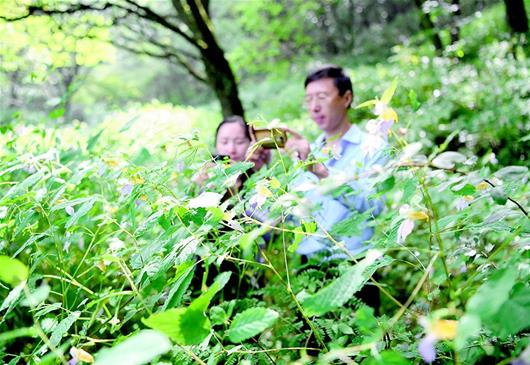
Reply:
x=232, y=141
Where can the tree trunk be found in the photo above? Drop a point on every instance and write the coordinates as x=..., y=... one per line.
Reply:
x=516, y=15
x=455, y=17
x=219, y=74
x=222, y=80
x=428, y=26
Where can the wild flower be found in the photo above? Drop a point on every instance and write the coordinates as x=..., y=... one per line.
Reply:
x=80, y=355
x=406, y=227
x=436, y=330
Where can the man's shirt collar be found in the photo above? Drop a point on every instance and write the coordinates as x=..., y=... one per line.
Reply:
x=353, y=135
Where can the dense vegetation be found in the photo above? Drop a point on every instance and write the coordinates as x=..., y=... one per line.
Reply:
x=108, y=251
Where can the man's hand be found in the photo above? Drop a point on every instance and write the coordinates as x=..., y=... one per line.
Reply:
x=299, y=145
x=318, y=169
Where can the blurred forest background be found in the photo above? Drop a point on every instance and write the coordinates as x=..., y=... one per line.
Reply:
x=108, y=110
x=179, y=65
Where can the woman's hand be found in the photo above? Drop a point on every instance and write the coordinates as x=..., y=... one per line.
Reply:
x=202, y=176
x=259, y=156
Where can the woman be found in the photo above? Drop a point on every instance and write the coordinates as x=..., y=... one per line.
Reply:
x=233, y=140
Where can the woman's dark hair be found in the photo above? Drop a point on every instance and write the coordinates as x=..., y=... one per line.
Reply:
x=234, y=119
x=340, y=79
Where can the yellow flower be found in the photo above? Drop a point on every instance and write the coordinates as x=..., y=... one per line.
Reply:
x=275, y=184
x=468, y=198
x=81, y=355
x=263, y=190
x=137, y=179
x=418, y=215
x=482, y=186
x=389, y=114
x=443, y=329
x=111, y=162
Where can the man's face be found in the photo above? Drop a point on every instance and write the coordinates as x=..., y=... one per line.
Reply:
x=326, y=107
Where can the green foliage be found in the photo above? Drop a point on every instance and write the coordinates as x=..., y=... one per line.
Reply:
x=138, y=349
x=250, y=323
x=12, y=271
x=115, y=237
x=188, y=326
x=342, y=289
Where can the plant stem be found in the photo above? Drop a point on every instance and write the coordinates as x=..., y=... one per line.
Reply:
x=434, y=217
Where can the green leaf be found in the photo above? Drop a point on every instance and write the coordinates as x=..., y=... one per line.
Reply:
x=84, y=209
x=296, y=241
x=513, y=316
x=184, y=275
x=386, y=185
x=37, y=296
x=366, y=104
x=19, y=332
x=350, y=226
x=171, y=323
x=388, y=357
x=413, y=99
x=512, y=173
x=250, y=323
x=63, y=327
x=447, y=160
x=498, y=195
x=56, y=113
x=93, y=139
x=188, y=326
x=11, y=299
x=367, y=324
x=343, y=288
x=468, y=326
x=389, y=93
x=409, y=189
x=492, y=294
x=12, y=271
x=136, y=350
x=468, y=189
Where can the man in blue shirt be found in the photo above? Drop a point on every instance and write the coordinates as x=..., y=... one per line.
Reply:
x=342, y=153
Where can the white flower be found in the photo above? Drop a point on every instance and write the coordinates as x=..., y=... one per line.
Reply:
x=404, y=230
x=379, y=108
x=69, y=210
x=461, y=204
x=115, y=244
x=257, y=200
x=372, y=144
x=205, y=200
x=40, y=194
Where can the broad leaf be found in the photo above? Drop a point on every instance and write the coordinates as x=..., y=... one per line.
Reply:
x=389, y=93
x=84, y=209
x=342, y=289
x=492, y=294
x=136, y=350
x=12, y=271
x=188, y=326
x=63, y=327
x=250, y=323
x=447, y=160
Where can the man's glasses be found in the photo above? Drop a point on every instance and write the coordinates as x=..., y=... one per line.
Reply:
x=319, y=98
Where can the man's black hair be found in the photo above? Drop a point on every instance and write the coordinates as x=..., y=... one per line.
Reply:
x=341, y=80
x=234, y=119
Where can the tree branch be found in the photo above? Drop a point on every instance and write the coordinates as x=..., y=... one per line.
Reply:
x=157, y=18
x=172, y=56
